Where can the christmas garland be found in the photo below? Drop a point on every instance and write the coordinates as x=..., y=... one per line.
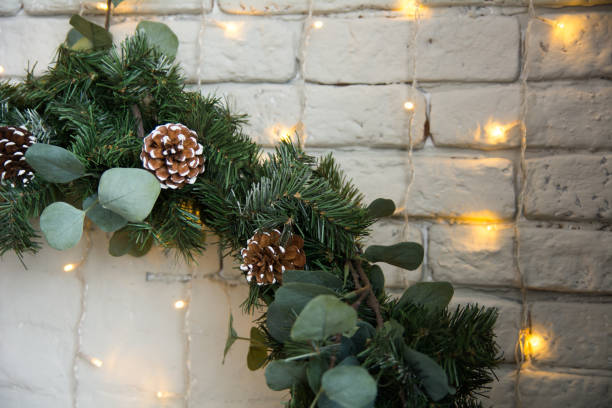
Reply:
x=110, y=134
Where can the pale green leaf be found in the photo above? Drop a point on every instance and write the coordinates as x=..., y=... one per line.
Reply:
x=281, y=375
x=62, y=225
x=107, y=220
x=131, y=193
x=429, y=294
x=53, y=163
x=322, y=317
x=349, y=386
x=161, y=36
x=100, y=38
x=432, y=375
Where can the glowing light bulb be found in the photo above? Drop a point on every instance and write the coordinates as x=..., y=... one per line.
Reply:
x=96, y=362
x=231, y=27
x=1, y=70
x=489, y=227
x=560, y=25
x=317, y=24
x=179, y=304
x=409, y=106
x=102, y=6
x=497, y=131
x=69, y=267
x=160, y=394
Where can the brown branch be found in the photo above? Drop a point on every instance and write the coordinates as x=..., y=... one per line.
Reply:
x=138, y=117
x=372, y=301
x=365, y=291
x=332, y=359
x=108, y=14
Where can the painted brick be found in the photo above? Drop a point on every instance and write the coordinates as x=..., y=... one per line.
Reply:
x=250, y=50
x=274, y=110
x=389, y=232
x=363, y=115
x=377, y=173
x=479, y=189
x=9, y=7
x=569, y=115
x=40, y=43
x=508, y=321
x=573, y=187
x=501, y=394
x=482, y=118
x=211, y=306
x=563, y=3
x=581, y=49
x=292, y=6
x=152, y=7
x=186, y=30
x=46, y=7
x=551, y=3
x=568, y=260
x=443, y=54
x=575, y=334
x=545, y=389
x=473, y=254
x=461, y=48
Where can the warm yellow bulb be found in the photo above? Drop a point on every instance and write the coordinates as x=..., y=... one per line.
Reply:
x=1, y=70
x=102, y=6
x=179, y=304
x=560, y=25
x=160, y=394
x=69, y=267
x=231, y=27
x=317, y=24
x=96, y=361
x=489, y=227
x=497, y=131
x=409, y=106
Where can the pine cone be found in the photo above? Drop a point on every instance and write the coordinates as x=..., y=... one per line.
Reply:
x=14, y=142
x=265, y=259
x=173, y=154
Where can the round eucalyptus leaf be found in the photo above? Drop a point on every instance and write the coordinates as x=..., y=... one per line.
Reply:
x=281, y=375
x=349, y=386
x=407, y=255
x=315, y=277
x=432, y=295
x=62, y=225
x=120, y=243
x=381, y=207
x=258, y=352
x=161, y=36
x=131, y=193
x=99, y=37
x=53, y=163
x=322, y=317
x=107, y=220
x=431, y=374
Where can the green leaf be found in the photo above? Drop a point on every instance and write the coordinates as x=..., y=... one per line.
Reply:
x=322, y=317
x=281, y=375
x=432, y=295
x=232, y=336
x=315, y=277
x=116, y=2
x=360, y=338
x=62, y=225
x=100, y=38
x=289, y=301
x=377, y=279
x=131, y=193
x=107, y=220
x=75, y=41
x=314, y=371
x=407, y=255
x=54, y=163
x=381, y=207
x=137, y=250
x=120, y=243
x=431, y=374
x=349, y=386
x=161, y=36
x=258, y=352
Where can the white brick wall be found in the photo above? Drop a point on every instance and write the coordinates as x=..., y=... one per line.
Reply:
x=476, y=71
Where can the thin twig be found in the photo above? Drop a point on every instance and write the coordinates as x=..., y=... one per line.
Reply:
x=372, y=301
x=138, y=116
x=108, y=14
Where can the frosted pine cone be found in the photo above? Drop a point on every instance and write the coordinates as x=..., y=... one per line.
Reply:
x=14, y=142
x=265, y=260
x=173, y=154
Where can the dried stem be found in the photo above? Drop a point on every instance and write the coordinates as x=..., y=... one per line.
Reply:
x=108, y=14
x=372, y=301
x=138, y=117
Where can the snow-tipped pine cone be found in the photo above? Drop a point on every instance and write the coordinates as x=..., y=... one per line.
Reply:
x=14, y=142
x=172, y=153
x=265, y=260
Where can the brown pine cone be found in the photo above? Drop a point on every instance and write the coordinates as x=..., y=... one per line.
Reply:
x=172, y=153
x=14, y=142
x=265, y=260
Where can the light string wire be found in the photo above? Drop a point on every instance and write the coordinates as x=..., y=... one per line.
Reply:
x=519, y=350
x=304, y=40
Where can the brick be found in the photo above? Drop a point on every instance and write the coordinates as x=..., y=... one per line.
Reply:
x=9, y=7
x=363, y=115
x=473, y=254
x=274, y=110
x=39, y=308
x=40, y=43
x=545, y=389
x=569, y=115
x=340, y=45
x=568, y=260
x=574, y=334
x=501, y=394
x=389, y=232
x=212, y=303
x=186, y=30
x=507, y=326
x=152, y=7
x=46, y=7
x=482, y=118
x=562, y=3
x=552, y=3
x=571, y=187
x=460, y=48
x=250, y=50
x=291, y=6
x=581, y=49
x=473, y=189
x=377, y=173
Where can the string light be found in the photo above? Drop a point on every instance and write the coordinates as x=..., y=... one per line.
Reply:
x=102, y=6
x=231, y=29
x=179, y=304
x=409, y=106
x=497, y=132
x=1, y=70
x=533, y=343
x=560, y=25
x=69, y=267
x=317, y=24
x=96, y=362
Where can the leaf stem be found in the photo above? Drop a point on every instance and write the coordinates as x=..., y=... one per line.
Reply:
x=372, y=301
x=314, y=402
x=108, y=14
